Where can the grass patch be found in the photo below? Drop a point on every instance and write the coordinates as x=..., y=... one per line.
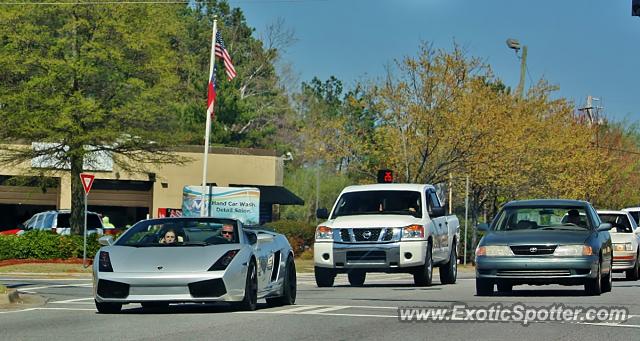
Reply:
x=46, y=268
x=304, y=265
x=3, y=289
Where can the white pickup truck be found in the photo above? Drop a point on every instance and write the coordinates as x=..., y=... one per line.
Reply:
x=386, y=228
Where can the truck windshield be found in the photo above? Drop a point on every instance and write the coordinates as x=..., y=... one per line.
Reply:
x=379, y=202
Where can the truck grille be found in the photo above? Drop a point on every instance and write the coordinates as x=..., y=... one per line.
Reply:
x=366, y=235
x=533, y=250
x=366, y=256
x=344, y=235
x=387, y=235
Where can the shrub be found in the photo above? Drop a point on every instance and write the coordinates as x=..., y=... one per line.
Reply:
x=300, y=234
x=46, y=245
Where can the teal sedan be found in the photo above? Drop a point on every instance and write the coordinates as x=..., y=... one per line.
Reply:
x=539, y=242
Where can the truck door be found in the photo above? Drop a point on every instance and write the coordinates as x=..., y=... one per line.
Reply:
x=440, y=224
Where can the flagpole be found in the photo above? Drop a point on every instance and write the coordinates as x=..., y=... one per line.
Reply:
x=208, y=127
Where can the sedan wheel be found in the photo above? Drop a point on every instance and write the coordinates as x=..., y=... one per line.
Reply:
x=633, y=273
x=607, y=281
x=593, y=286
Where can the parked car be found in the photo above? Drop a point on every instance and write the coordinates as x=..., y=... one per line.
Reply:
x=386, y=227
x=625, y=237
x=58, y=222
x=173, y=260
x=635, y=213
x=545, y=242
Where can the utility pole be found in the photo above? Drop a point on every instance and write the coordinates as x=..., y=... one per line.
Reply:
x=514, y=44
x=593, y=115
x=523, y=70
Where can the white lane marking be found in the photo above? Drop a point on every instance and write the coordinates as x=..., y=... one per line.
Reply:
x=75, y=301
x=299, y=308
x=22, y=279
x=608, y=324
x=34, y=309
x=17, y=311
x=324, y=310
x=31, y=289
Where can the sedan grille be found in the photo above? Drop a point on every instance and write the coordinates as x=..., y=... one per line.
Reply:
x=534, y=273
x=533, y=250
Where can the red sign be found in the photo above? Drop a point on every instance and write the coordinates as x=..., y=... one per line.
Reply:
x=385, y=176
x=87, y=181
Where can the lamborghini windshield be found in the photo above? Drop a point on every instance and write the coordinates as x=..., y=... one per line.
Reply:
x=542, y=218
x=169, y=232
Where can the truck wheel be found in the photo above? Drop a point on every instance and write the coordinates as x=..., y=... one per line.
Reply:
x=324, y=277
x=449, y=271
x=593, y=286
x=424, y=274
x=357, y=277
x=484, y=287
x=633, y=273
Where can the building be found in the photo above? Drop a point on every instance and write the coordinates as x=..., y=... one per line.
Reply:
x=127, y=197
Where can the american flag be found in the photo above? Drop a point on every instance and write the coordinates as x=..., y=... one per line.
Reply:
x=220, y=52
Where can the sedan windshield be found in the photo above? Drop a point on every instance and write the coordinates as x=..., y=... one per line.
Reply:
x=379, y=202
x=542, y=218
x=169, y=232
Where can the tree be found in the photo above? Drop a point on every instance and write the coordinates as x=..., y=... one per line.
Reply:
x=89, y=78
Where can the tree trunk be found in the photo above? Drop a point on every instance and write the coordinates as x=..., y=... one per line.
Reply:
x=77, y=196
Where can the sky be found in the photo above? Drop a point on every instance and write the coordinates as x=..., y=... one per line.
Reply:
x=586, y=47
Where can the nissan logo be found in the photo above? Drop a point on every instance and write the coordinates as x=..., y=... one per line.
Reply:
x=366, y=234
x=533, y=249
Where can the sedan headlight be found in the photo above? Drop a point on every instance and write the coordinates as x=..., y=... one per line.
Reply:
x=573, y=250
x=623, y=247
x=494, y=251
x=413, y=232
x=324, y=233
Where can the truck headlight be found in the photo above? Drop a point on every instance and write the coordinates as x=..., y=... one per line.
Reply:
x=573, y=250
x=623, y=247
x=413, y=232
x=323, y=233
x=494, y=251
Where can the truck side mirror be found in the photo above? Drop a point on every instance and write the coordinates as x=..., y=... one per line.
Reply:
x=437, y=212
x=322, y=213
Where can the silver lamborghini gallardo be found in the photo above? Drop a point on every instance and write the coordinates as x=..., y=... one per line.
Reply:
x=173, y=260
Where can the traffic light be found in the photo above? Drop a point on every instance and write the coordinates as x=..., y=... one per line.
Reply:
x=635, y=8
x=385, y=176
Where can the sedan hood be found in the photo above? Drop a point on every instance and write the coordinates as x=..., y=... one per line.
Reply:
x=374, y=220
x=168, y=258
x=526, y=237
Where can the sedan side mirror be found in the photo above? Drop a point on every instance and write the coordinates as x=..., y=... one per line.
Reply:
x=105, y=240
x=322, y=213
x=604, y=227
x=482, y=227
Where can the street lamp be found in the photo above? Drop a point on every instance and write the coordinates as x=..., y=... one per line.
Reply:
x=514, y=44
